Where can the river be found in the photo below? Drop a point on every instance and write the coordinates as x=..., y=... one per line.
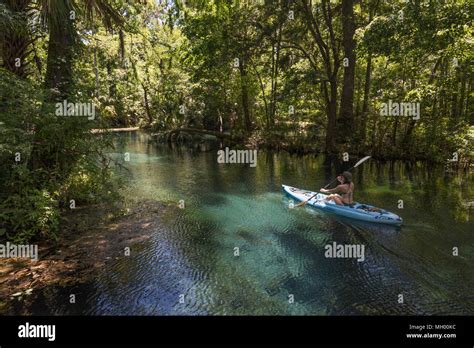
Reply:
x=190, y=265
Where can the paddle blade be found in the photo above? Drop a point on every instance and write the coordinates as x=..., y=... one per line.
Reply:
x=362, y=161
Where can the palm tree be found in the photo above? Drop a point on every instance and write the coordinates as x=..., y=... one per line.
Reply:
x=14, y=36
x=60, y=16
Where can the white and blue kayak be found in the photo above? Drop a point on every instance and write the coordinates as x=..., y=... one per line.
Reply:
x=359, y=211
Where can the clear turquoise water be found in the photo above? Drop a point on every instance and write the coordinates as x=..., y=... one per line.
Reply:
x=282, y=249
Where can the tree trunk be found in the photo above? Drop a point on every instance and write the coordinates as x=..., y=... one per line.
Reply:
x=96, y=71
x=462, y=95
x=245, y=96
x=357, y=97
x=407, y=139
x=275, y=67
x=394, y=133
x=454, y=99
x=111, y=82
x=121, y=45
x=60, y=57
x=331, y=114
x=329, y=52
x=147, y=105
x=365, y=103
x=264, y=97
x=346, y=118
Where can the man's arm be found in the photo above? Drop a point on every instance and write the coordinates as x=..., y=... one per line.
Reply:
x=336, y=189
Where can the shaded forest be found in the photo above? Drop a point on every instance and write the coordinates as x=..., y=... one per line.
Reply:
x=391, y=79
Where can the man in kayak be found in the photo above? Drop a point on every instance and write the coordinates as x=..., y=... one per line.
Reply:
x=345, y=190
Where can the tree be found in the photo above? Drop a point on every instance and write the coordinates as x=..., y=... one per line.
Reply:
x=329, y=52
x=15, y=36
x=346, y=129
x=60, y=17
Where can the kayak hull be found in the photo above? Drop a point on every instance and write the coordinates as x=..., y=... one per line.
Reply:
x=359, y=211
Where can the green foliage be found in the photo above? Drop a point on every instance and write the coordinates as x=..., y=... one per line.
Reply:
x=42, y=160
x=166, y=65
x=30, y=214
x=90, y=183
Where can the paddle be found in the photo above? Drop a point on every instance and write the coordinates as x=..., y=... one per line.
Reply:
x=355, y=166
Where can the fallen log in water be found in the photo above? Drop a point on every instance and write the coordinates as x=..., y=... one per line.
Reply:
x=104, y=130
x=200, y=131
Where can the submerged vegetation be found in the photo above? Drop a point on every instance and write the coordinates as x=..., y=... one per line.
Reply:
x=311, y=76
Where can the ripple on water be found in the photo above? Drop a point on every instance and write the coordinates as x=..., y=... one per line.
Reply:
x=281, y=250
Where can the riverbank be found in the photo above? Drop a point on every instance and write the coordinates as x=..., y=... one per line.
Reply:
x=92, y=238
x=300, y=143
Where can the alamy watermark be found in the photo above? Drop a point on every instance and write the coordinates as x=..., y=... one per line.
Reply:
x=37, y=331
x=401, y=109
x=345, y=251
x=23, y=251
x=76, y=109
x=237, y=156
